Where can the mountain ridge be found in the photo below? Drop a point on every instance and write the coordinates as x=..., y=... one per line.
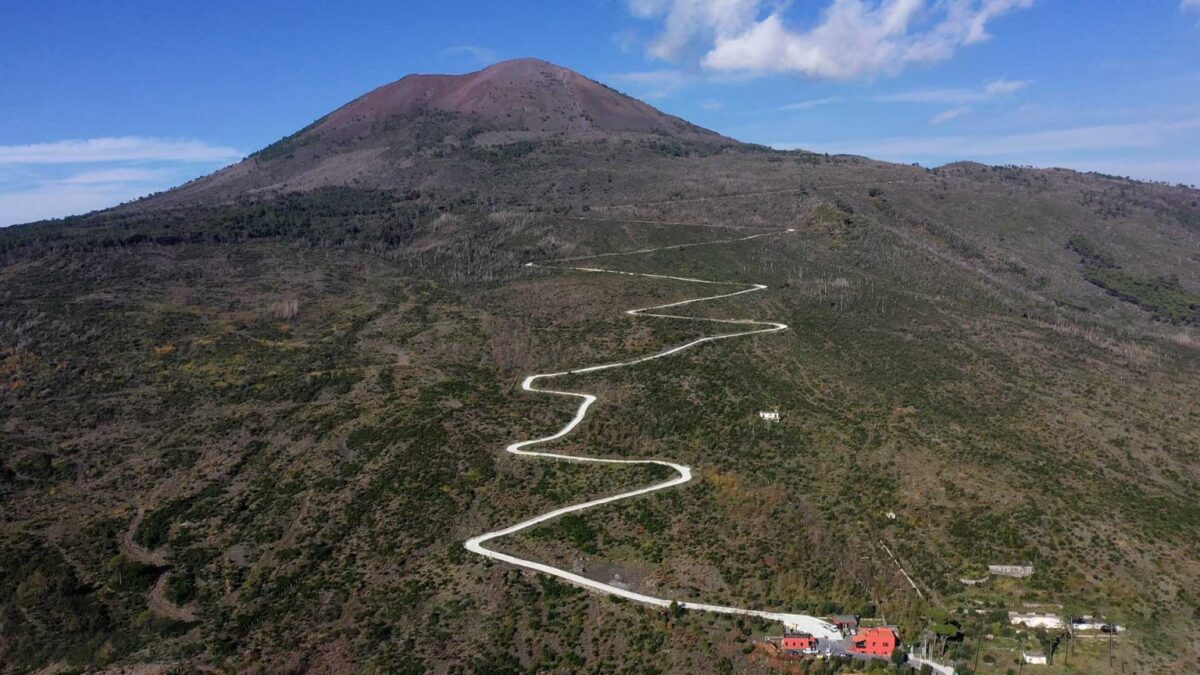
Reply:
x=497, y=92
x=389, y=137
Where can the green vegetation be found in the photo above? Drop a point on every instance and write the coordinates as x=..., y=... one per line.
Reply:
x=309, y=395
x=288, y=145
x=1164, y=297
x=1090, y=254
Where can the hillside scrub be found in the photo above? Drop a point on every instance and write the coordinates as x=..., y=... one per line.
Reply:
x=309, y=395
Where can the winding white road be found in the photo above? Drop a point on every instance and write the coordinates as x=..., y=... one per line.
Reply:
x=801, y=622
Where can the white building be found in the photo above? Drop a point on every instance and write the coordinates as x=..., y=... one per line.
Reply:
x=1091, y=623
x=1035, y=657
x=769, y=415
x=1033, y=620
x=1017, y=571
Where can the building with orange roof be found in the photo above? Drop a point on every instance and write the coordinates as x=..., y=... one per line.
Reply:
x=878, y=641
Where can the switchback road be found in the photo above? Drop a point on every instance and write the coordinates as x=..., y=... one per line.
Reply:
x=800, y=622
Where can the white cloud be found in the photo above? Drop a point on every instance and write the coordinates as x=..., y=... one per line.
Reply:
x=687, y=21
x=1185, y=5
x=1120, y=149
x=808, y=105
x=956, y=96
x=1186, y=171
x=947, y=115
x=1019, y=147
x=854, y=38
x=652, y=84
x=55, y=200
x=108, y=176
x=1004, y=87
x=626, y=40
x=41, y=186
x=483, y=55
x=125, y=148
x=712, y=105
x=652, y=77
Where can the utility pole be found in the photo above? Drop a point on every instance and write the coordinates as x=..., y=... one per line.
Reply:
x=978, y=647
x=1110, y=650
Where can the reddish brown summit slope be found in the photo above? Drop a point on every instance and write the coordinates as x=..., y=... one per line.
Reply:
x=522, y=94
x=405, y=134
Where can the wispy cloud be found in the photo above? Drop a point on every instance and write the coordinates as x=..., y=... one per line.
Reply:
x=1022, y=145
x=626, y=40
x=956, y=96
x=852, y=39
x=1186, y=5
x=58, y=199
x=1111, y=148
x=712, y=105
x=1003, y=87
x=1184, y=171
x=50, y=180
x=951, y=114
x=109, y=176
x=116, y=149
x=481, y=55
x=652, y=77
x=653, y=84
x=808, y=105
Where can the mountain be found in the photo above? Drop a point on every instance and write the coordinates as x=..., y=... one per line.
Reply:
x=389, y=137
x=248, y=424
x=527, y=95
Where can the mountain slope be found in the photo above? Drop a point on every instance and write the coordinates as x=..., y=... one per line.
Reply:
x=307, y=390
x=396, y=136
x=523, y=95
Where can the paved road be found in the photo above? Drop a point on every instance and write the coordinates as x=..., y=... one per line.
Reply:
x=941, y=668
x=801, y=622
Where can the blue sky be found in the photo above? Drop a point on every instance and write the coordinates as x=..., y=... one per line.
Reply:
x=104, y=102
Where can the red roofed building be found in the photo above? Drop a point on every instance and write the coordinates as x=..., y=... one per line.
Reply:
x=798, y=643
x=879, y=642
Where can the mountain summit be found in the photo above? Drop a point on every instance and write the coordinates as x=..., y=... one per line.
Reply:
x=521, y=95
x=402, y=135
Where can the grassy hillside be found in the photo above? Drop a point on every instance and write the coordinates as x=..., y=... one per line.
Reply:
x=308, y=397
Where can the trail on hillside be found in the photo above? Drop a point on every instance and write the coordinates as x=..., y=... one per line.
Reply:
x=157, y=598
x=802, y=622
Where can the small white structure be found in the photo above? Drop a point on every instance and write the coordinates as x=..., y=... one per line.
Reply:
x=1032, y=620
x=974, y=582
x=1090, y=623
x=769, y=415
x=1035, y=657
x=891, y=515
x=1018, y=571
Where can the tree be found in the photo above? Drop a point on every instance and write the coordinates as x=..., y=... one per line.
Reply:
x=944, y=632
x=1049, y=642
x=675, y=610
x=899, y=656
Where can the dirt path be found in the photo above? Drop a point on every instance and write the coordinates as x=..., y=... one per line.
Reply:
x=802, y=622
x=903, y=571
x=740, y=195
x=163, y=607
x=135, y=551
x=157, y=598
